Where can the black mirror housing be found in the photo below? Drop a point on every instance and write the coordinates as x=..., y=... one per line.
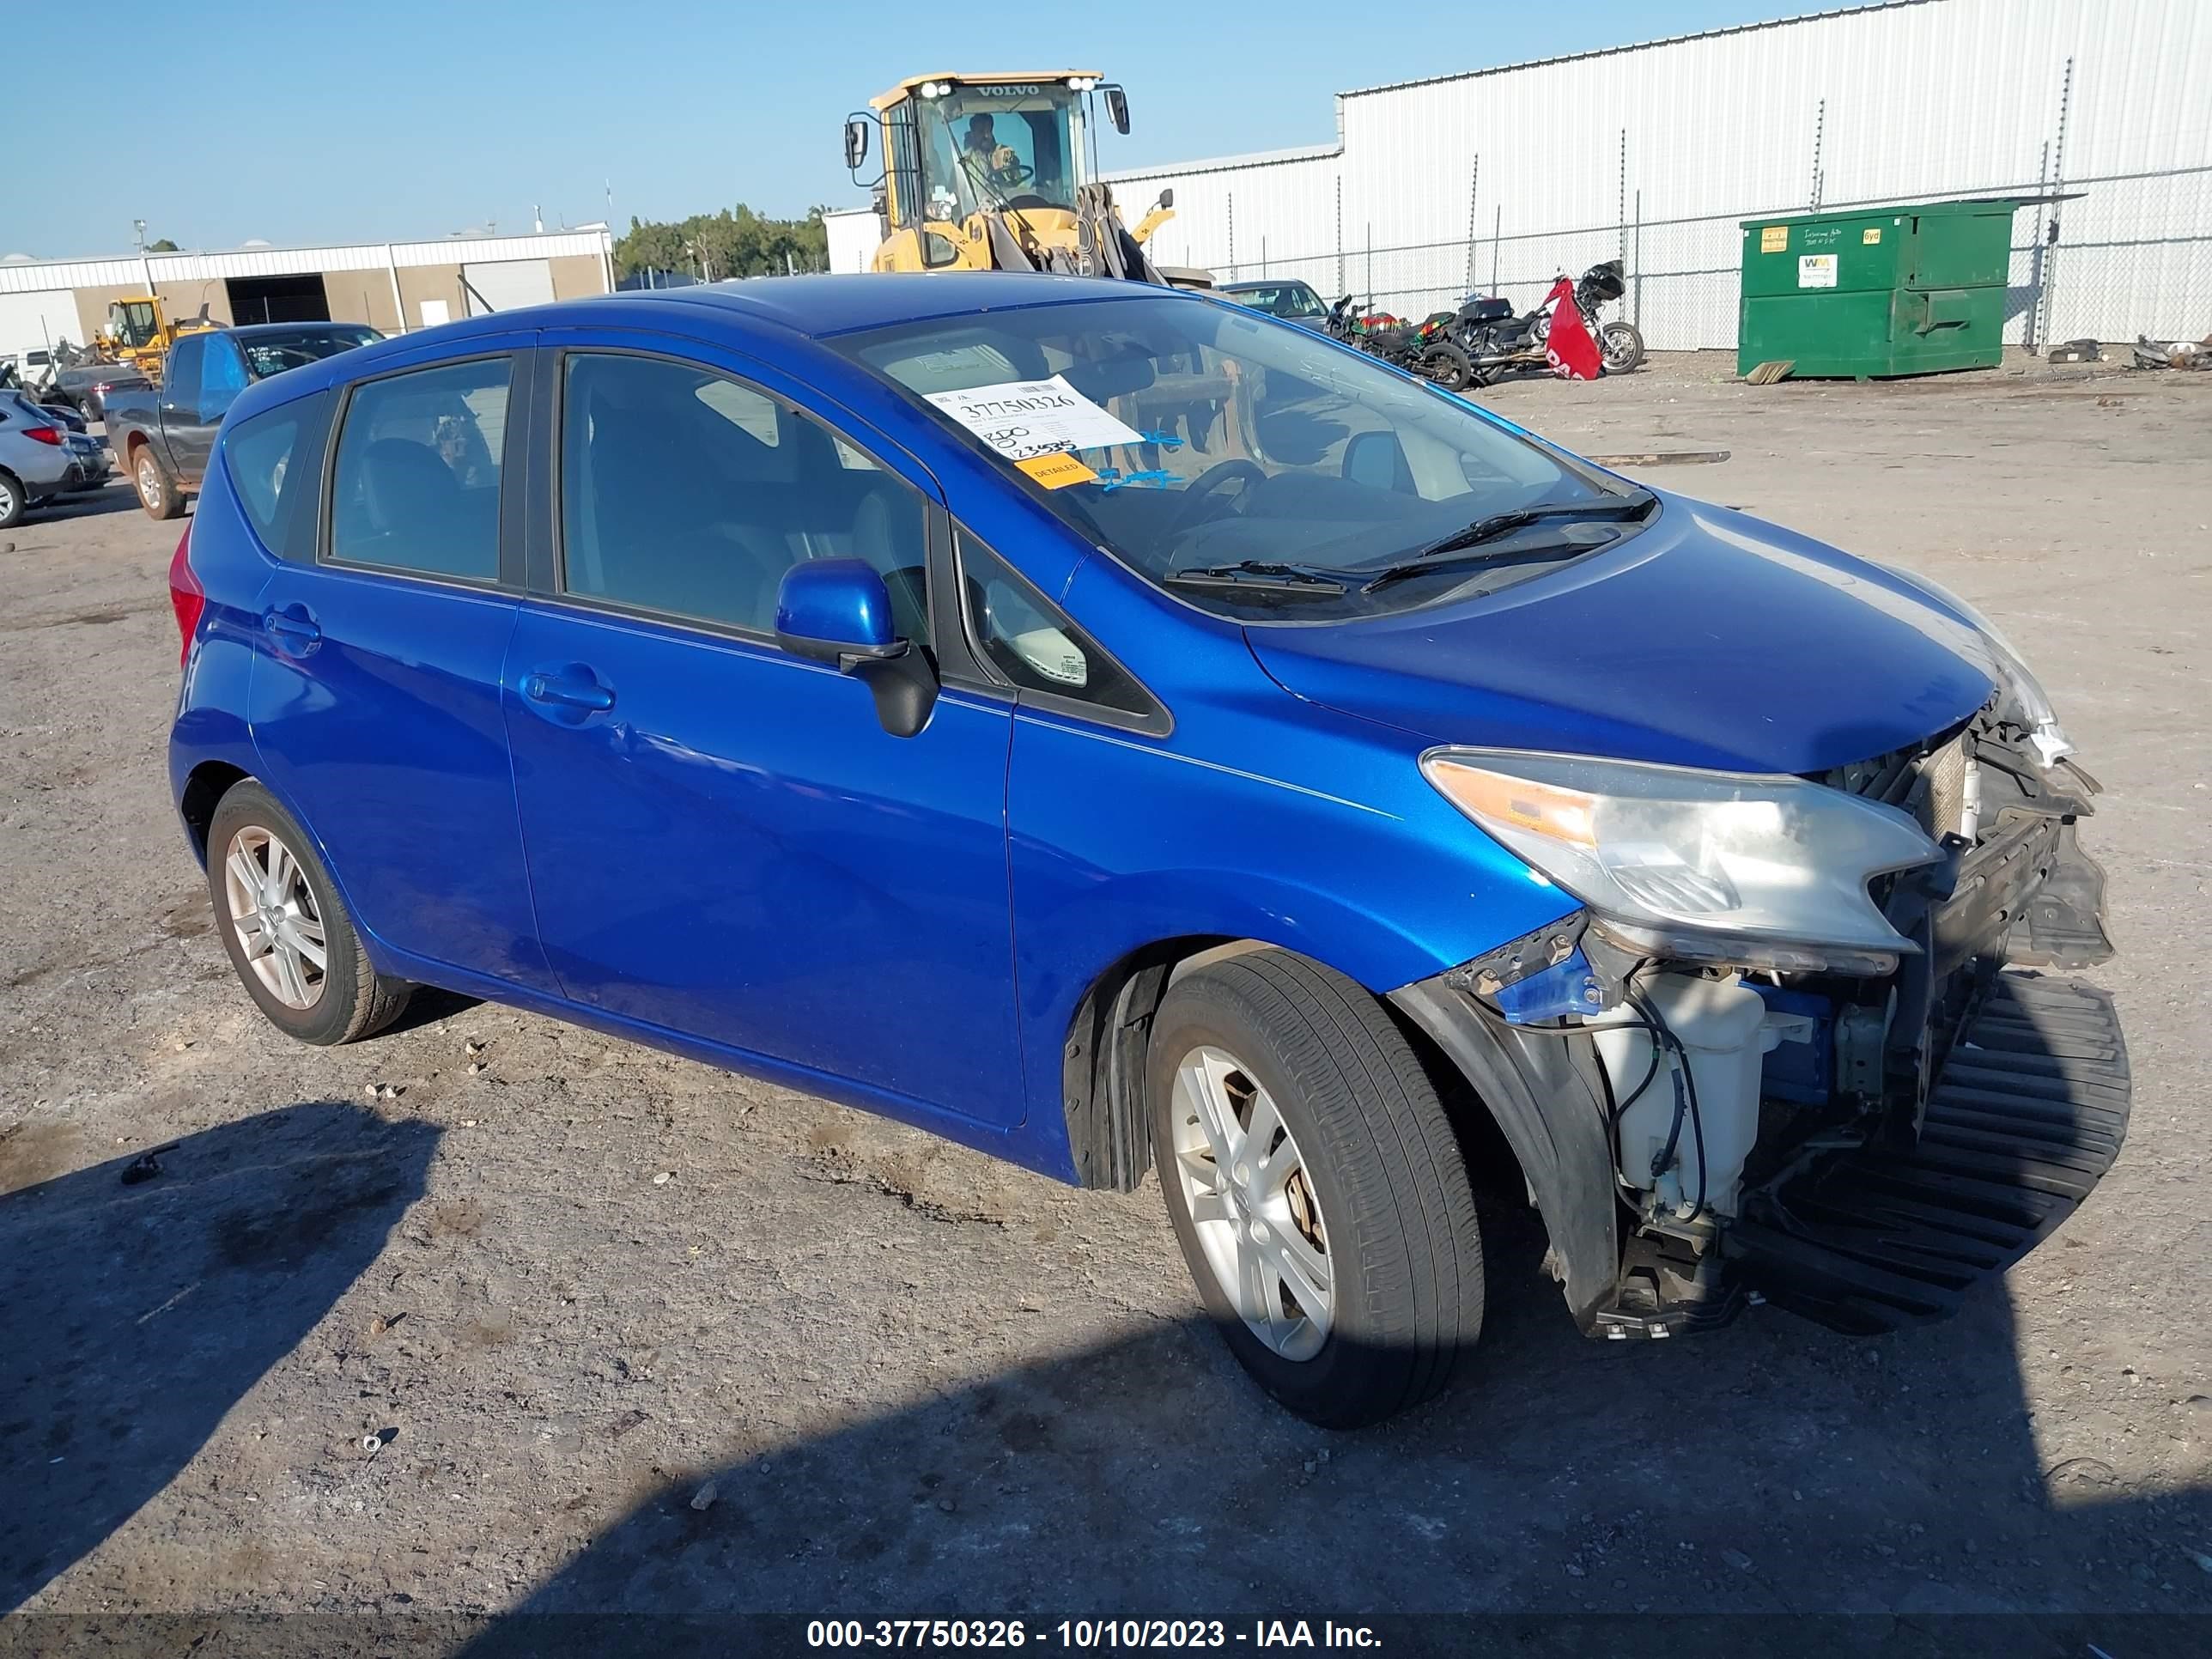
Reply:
x=856, y=143
x=1117, y=108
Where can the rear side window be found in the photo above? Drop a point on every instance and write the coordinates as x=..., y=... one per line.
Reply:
x=415, y=484
x=260, y=453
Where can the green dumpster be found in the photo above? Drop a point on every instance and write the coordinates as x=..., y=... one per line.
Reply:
x=1897, y=290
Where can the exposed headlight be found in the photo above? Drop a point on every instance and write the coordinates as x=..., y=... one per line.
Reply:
x=1762, y=872
x=2025, y=691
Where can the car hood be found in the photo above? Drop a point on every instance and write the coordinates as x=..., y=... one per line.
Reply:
x=1708, y=639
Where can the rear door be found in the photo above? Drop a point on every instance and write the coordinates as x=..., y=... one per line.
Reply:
x=376, y=693
x=191, y=430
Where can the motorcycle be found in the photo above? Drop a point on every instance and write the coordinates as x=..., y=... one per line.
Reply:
x=1494, y=341
x=1422, y=348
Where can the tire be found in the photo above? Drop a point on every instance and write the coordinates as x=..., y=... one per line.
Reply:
x=1621, y=346
x=13, y=501
x=1375, y=1190
x=1448, y=366
x=346, y=999
x=157, y=489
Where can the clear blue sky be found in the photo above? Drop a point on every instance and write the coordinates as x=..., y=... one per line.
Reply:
x=409, y=119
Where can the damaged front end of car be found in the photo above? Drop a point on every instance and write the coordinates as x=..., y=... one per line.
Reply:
x=1795, y=1045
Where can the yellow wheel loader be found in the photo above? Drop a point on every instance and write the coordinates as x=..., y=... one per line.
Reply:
x=137, y=333
x=999, y=173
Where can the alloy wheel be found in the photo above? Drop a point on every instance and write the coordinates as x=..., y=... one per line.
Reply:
x=149, y=481
x=1252, y=1203
x=273, y=911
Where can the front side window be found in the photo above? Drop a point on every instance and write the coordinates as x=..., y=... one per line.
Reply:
x=1248, y=465
x=1031, y=645
x=415, y=484
x=690, y=494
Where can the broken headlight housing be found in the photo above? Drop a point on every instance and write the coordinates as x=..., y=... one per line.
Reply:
x=1758, y=871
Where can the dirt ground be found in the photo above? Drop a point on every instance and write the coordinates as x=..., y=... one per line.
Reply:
x=592, y=1329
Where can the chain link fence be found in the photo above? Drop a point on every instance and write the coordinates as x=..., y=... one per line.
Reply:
x=2107, y=259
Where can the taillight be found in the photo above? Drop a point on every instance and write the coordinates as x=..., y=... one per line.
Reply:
x=44, y=434
x=187, y=597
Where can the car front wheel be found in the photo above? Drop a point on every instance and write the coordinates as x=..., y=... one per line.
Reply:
x=1316, y=1186
x=290, y=940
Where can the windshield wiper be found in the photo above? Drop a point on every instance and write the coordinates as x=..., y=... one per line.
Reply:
x=1633, y=505
x=1258, y=575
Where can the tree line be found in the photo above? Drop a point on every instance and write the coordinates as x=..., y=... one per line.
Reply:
x=734, y=242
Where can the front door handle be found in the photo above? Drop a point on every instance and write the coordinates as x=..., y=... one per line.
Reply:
x=294, y=626
x=572, y=688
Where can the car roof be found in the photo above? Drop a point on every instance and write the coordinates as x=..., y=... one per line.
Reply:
x=811, y=307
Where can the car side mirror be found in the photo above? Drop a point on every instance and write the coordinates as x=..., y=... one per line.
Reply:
x=838, y=611
x=1117, y=108
x=856, y=144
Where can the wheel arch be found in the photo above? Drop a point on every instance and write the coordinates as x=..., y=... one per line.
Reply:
x=1102, y=1057
x=204, y=787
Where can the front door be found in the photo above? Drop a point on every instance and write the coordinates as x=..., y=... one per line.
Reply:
x=376, y=693
x=723, y=840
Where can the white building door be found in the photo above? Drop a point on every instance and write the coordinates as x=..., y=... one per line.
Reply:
x=507, y=285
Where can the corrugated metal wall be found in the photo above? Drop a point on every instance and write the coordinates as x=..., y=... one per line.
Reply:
x=1498, y=179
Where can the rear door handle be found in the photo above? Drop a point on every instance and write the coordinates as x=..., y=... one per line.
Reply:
x=294, y=626
x=568, y=689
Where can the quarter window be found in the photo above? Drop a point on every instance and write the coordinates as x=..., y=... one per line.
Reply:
x=1035, y=646
x=685, y=493
x=259, y=452
x=416, y=486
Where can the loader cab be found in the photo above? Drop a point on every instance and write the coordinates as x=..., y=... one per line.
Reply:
x=134, y=324
x=957, y=145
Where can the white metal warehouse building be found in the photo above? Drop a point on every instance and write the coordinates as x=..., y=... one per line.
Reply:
x=1497, y=180
x=394, y=286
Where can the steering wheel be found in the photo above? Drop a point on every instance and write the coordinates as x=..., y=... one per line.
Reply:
x=1204, y=488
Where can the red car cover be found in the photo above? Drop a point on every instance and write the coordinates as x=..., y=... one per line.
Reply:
x=1568, y=348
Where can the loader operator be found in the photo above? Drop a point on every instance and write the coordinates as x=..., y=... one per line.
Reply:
x=985, y=156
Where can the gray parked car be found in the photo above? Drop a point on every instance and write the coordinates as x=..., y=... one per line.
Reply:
x=40, y=458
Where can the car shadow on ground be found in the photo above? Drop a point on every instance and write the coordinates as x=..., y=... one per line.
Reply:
x=135, y=1314
x=1773, y=1468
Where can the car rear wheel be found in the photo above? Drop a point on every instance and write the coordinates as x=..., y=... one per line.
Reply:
x=1316, y=1186
x=157, y=491
x=11, y=500
x=290, y=940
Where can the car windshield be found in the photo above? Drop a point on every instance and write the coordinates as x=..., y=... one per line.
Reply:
x=272, y=353
x=1253, y=467
x=1282, y=300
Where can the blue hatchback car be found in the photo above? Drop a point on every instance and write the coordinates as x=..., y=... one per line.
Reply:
x=1119, y=730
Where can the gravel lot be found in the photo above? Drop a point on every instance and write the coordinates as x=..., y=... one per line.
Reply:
x=593, y=1328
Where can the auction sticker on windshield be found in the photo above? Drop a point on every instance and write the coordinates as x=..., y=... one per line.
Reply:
x=1022, y=418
